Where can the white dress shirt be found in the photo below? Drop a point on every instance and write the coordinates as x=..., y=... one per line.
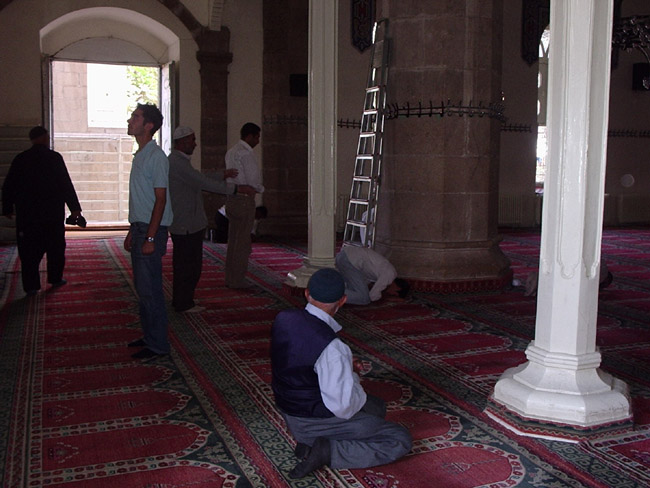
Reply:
x=242, y=158
x=340, y=386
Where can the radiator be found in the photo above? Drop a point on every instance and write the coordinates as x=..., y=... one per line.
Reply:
x=633, y=209
x=511, y=210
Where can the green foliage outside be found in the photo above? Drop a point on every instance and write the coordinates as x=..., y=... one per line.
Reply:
x=143, y=82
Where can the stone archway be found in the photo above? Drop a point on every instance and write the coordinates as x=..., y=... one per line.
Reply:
x=176, y=7
x=88, y=124
x=214, y=56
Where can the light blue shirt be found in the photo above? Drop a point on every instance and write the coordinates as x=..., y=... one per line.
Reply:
x=340, y=387
x=150, y=169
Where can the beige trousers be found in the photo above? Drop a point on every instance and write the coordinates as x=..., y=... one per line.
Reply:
x=240, y=210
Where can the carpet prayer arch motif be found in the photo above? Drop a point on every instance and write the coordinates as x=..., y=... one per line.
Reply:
x=78, y=412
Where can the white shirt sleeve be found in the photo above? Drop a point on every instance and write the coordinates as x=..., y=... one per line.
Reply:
x=386, y=274
x=374, y=267
x=242, y=158
x=340, y=386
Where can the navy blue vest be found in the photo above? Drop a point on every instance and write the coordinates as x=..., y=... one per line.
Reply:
x=297, y=340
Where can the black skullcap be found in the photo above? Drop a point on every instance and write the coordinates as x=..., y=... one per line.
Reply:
x=37, y=132
x=326, y=285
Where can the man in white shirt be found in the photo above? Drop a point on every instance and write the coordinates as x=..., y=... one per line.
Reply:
x=240, y=208
x=334, y=421
x=360, y=267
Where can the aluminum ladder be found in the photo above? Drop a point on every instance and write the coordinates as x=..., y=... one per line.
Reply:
x=364, y=193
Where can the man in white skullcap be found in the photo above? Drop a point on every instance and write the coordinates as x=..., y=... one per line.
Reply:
x=186, y=185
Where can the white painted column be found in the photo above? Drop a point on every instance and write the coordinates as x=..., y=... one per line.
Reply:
x=562, y=382
x=323, y=72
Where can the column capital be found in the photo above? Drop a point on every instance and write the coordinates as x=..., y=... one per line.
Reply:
x=211, y=41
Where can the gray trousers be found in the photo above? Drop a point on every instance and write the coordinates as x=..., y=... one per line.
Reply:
x=356, y=286
x=362, y=441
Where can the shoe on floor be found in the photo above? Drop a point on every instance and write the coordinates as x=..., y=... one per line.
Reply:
x=138, y=343
x=194, y=309
x=302, y=451
x=146, y=353
x=59, y=283
x=319, y=455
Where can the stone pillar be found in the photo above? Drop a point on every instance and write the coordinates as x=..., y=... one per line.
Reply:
x=214, y=57
x=438, y=209
x=323, y=72
x=562, y=382
x=284, y=111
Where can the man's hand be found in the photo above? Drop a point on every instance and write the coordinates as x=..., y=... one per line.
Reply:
x=148, y=248
x=230, y=173
x=246, y=190
x=128, y=242
x=357, y=366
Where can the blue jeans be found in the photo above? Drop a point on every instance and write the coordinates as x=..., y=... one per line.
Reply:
x=147, y=277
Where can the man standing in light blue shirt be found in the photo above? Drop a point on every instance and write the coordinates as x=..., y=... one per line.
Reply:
x=150, y=214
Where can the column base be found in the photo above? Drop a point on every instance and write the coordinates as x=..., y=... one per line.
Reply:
x=450, y=267
x=463, y=286
x=564, y=397
x=298, y=278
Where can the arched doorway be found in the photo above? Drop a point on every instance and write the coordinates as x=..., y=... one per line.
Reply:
x=98, y=152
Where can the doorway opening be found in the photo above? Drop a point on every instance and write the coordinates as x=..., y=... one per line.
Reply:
x=542, y=95
x=90, y=104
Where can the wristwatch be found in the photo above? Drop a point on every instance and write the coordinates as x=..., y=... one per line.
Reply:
x=150, y=239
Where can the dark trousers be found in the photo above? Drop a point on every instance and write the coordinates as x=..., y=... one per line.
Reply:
x=187, y=261
x=362, y=441
x=148, y=281
x=33, y=243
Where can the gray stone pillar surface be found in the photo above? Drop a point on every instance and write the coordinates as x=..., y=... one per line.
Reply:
x=323, y=61
x=214, y=57
x=285, y=132
x=438, y=209
x=562, y=382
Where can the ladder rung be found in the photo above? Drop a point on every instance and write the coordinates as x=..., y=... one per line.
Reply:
x=357, y=223
x=369, y=152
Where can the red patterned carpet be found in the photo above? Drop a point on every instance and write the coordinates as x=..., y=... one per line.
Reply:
x=78, y=412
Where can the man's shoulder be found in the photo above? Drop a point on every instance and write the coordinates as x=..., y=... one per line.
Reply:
x=39, y=152
x=233, y=149
x=293, y=320
x=295, y=315
x=176, y=159
x=291, y=313
x=154, y=153
x=239, y=148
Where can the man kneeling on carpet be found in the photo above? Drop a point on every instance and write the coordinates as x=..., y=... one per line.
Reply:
x=333, y=420
x=363, y=267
